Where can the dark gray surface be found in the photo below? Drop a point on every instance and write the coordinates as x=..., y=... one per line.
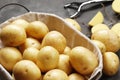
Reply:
x=56, y=7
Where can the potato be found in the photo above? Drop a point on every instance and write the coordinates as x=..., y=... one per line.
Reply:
x=109, y=38
x=99, y=27
x=76, y=76
x=100, y=45
x=110, y=63
x=97, y=19
x=30, y=54
x=116, y=29
x=30, y=42
x=48, y=58
x=26, y=70
x=55, y=74
x=12, y=35
x=116, y=5
x=9, y=56
x=21, y=23
x=83, y=60
x=74, y=23
x=56, y=40
x=67, y=50
x=37, y=29
x=64, y=64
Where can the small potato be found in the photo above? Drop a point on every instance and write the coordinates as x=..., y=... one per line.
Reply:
x=64, y=64
x=97, y=19
x=12, y=35
x=48, y=58
x=55, y=74
x=83, y=60
x=116, y=5
x=26, y=70
x=56, y=40
x=110, y=63
x=73, y=22
x=67, y=50
x=9, y=56
x=100, y=45
x=109, y=38
x=30, y=42
x=21, y=23
x=76, y=76
x=99, y=27
x=37, y=29
x=31, y=54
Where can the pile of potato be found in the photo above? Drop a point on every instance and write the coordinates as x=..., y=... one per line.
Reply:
x=108, y=41
x=31, y=52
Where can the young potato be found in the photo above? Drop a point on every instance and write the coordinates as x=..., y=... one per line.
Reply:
x=100, y=45
x=110, y=63
x=74, y=23
x=26, y=70
x=67, y=50
x=37, y=29
x=99, y=27
x=56, y=40
x=55, y=74
x=21, y=22
x=12, y=35
x=97, y=19
x=30, y=42
x=9, y=56
x=83, y=60
x=31, y=54
x=64, y=64
x=116, y=5
x=48, y=58
x=109, y=38
x=76, y=76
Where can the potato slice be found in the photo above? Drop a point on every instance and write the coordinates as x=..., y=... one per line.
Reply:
x=116, y=6
x=98, y=18
x=99, y=27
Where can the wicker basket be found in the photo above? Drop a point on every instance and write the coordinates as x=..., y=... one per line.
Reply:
x=73, y=36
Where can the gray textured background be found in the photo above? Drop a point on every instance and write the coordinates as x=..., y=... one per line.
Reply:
x=56, y=7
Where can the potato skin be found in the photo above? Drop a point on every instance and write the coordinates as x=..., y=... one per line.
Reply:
x=110, y=63
x=83, y=60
